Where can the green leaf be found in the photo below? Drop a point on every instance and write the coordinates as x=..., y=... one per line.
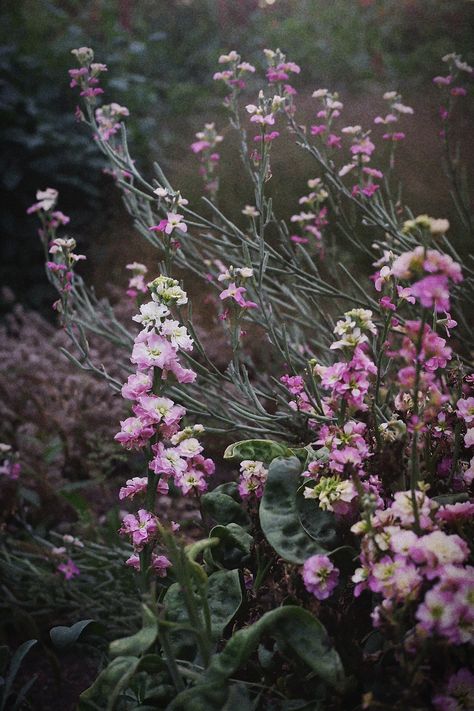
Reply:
x=234, y=546
x=319, y=524
x=107, y=681
x=13, y=669
x=263, y=450
x=62, y=637
x=141, y=641
x=445, y=499
x=292, y=626
x=223, y=509
x=279, y=516
x=224, y=597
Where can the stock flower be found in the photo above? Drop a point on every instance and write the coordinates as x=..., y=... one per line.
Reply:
x=69, y=569
x=465, y=409
x=252, y=478
x=237, y=293
x=151, y=351
x=134, y=433
x=132, y=487
x=177, y=335
x=320, y=576
x=458, y=694
x=332, y=494
x=141, y=528
x=151, y=314
x=137, y=384
x=152, y=409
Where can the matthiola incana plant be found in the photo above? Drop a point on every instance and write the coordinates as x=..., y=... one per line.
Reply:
x=334, y=569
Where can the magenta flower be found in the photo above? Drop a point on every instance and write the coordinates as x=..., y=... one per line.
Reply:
x=151, y=351
x=141, y=528
x=137, y=385
x=465, y=409
x=69, y=569
x=132, y=487
x=134, y=433
x=320, y=576
x=458, y=694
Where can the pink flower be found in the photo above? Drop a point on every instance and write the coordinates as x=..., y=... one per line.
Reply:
x=451, y=513
x=191, y=480
x=134, y=433
x=141, y=528
x=137, y=385
x=160, y=565
x=320, y=576
x=152, y=409
x=363, y=147
x=333, y=141
x=316, y=130
x=151, y=351
x=132, y=487
x=69, y=569
x=465, y=409
x=432, y=291
x=458, y=694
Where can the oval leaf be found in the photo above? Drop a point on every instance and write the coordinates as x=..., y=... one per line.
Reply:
x=138, y=643
x=223, y=509
x=263, y=450
x=234, y=545
x=279, y=516
x=64, y=636
x=298, y=629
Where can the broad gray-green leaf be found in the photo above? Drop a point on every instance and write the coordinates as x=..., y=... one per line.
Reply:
x=223, y=509
x=224, y=597
x=64, y=636
x=279, y=517
x=320, y=525
x=105, y=684
x=263, y=450
x=296, y=628
x=234, y=546
x=138, y=643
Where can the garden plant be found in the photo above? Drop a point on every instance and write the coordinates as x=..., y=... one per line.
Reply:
x=335, y=571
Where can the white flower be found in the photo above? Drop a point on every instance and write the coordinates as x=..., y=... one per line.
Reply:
x=177, y=334
x=150, y=314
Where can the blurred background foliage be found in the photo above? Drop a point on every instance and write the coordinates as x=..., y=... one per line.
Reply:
x=161, y=56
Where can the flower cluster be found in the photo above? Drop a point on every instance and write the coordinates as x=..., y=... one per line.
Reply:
x=313, y=217
x=252, y=478
x=137, y=282
x=63, y=259
x=87, y=76
x=206, y=148
x=425, y=568
x=175, y=451
x=320, y=576
x=10, y=467
x=108, y=119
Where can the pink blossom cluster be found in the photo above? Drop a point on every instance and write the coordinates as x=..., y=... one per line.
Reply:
x=313, y=217
x=457, y=694
x=252, y=478
x=10, y=467
x=450, y=84
x=234, y=70
x=343, y=451
x=348, y=379
x=427, y=568
x=137, y=282
x=108, y=118
x=175, y=451
x=87, y=76
x=235, y=292
x=320, y=576
x=206, y=148
x=63, y=257
x=430, y=273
